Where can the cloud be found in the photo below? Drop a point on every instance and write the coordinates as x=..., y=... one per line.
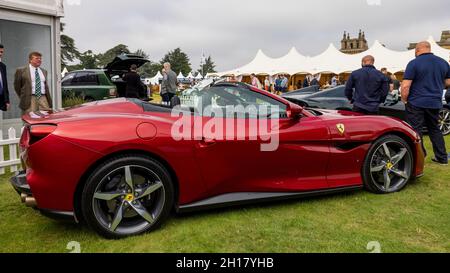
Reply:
x=232, y=31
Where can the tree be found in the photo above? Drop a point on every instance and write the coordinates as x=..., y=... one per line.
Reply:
x=142, y=53
x=179, y=61
x=88, y=60
x=150, y=69
x=207, y=67
x=69, y=52
x=110, y=54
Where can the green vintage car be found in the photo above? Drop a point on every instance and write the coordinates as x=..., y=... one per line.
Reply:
x=98, y=84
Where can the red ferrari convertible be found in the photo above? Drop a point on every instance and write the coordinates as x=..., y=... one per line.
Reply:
x=121, y=165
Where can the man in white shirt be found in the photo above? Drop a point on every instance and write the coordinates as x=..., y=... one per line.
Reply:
x=30, y=84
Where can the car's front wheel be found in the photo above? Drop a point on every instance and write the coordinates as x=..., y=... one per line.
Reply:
x=388, y=165
x=126, y=196
x=444, y=121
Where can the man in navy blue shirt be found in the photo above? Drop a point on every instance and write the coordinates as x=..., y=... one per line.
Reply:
x=367, y=88
x=422, y=89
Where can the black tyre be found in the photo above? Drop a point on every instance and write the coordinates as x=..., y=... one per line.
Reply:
x=126, y=196
x=444, y=121
x=388, y=165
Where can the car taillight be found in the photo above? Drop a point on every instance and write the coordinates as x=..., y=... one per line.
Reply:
x=24, y=139
x=112, y=92
x=40, y=131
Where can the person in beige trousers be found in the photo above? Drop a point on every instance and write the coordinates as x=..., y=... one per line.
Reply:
x=30, y=84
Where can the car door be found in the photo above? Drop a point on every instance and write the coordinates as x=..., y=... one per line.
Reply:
x=240, y=162
x=85, y=84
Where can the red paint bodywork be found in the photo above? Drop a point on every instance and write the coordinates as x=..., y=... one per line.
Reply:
x=308, y=157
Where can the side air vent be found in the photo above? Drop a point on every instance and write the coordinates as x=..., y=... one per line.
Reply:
x=349, y=145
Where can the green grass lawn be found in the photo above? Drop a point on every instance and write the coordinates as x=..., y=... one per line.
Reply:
x=414, y=220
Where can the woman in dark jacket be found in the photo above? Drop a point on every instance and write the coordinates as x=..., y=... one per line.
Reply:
x=133, y=81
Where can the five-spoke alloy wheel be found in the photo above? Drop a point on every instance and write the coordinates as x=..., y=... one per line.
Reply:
x=126, y=196
x=388, y=166
x=444, y=121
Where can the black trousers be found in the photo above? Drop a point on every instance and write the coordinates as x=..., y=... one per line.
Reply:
x=131, y=94
x=419, y=118
x=166, y=97
x=363, y=111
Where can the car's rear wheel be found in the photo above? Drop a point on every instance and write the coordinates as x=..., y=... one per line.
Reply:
x=444, y=121
x=388, y=165
x=127, y=196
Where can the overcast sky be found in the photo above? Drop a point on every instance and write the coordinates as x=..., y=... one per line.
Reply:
x=232, y=31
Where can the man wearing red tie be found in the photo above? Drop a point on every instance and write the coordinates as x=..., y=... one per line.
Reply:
x=4, y=94
x=30, y=83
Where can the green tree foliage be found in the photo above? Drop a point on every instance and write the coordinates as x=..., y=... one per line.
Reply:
x=178, y=60
x=69, y=52
x=142, y=53
x=149, y=69
x=207, y=67
x=110, y=54
x=88, y=60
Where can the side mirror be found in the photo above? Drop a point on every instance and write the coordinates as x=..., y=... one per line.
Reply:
x=294, y=111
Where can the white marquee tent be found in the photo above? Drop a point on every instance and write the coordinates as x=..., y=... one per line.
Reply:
x=190, y=76
x=330, y=61
x=64, y=72
x=157, y=78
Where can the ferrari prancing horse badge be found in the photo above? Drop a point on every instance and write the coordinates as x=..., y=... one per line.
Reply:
x=341, y=128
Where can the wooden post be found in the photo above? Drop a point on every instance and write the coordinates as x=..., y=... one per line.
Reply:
x=12, y=149
x=2, y=156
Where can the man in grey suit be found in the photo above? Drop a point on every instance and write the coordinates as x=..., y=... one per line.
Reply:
x=169, y=84
x=30, y=84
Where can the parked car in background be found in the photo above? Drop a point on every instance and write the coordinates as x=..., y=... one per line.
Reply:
x=335, y=99
x=98, y=84
x=303, y=92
